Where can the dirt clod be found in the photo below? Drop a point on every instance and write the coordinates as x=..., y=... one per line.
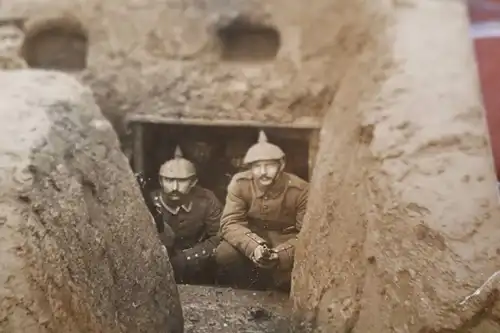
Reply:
x=79, y=252
x=213, y=309
x=395, y=190
x=259, y=313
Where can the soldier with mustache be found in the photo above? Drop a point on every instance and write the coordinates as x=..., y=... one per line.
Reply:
x=187, y=218
x=262, y=216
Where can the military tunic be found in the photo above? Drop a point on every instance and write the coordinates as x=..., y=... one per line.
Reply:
x=195, y=224
x=252, y=217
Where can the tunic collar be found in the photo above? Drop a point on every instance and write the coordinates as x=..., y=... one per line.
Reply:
x=175, y=210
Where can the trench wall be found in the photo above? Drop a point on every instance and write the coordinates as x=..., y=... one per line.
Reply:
x=170, y=59
x=402, y=218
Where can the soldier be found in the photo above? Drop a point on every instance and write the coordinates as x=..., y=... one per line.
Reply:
x=261, y=219
x=12, y=37
x=188, y=218
x=229, y=163
x=200, y=152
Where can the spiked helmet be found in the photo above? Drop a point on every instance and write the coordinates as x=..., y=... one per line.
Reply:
x=178, y=167
x=263, y=151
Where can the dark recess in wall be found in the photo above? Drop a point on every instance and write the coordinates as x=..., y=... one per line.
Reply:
x=57, y=45
x=244, y=41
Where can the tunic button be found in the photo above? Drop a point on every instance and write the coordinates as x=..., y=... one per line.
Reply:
x=188, y=258
x=265, y=206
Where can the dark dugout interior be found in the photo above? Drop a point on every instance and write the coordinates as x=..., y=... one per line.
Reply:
x=216, y=151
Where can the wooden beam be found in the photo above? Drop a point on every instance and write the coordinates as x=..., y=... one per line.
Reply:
x=138, y=150
x=305, y=123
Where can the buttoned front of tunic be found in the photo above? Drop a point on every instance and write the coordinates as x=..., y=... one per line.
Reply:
x=252, y=216
x=195, y=223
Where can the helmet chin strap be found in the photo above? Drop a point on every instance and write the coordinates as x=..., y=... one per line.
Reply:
x=280, y=171
x=275, y=178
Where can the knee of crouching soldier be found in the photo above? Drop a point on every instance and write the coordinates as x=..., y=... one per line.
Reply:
x=226, y=254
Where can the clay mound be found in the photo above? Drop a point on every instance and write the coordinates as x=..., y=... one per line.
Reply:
x=78, y=248
x=403, y=216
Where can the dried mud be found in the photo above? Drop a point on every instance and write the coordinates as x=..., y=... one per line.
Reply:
x=226, y=310
x=165, y=59
x=79, y=251
x=403, y=213
x=402, y=220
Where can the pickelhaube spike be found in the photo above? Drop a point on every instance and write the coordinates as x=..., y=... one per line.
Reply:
x=178, y=152
x=263, y=150
x=178, y=167
x=262, y=137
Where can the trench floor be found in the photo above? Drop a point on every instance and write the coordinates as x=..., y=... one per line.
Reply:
x=226, y=310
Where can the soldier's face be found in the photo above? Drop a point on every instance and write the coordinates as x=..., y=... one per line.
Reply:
x=237, y=162
x=176, y=188
x=200, y=151
x=265, y=172
x=12, y=40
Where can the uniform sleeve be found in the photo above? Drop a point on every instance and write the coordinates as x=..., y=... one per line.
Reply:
x=286, y=250
x=213, y=216
x=207, y=247
x=234, y=223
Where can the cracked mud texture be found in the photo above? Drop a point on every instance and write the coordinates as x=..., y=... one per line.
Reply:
x=226, y=310
x=79, y=252
x=403, y=219
x=164, y=58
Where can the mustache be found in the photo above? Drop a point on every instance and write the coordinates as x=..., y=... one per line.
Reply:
x=172, y=193
x=265, y=178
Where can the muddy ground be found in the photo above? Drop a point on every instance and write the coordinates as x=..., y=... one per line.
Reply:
x=166, y=58
x=225, y=310
x=403, y=217
x=74, y=259
x=78, y=249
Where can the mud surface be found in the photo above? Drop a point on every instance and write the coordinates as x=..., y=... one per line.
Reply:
x=226, y=310
x=168, y=59
x=403, y=217
x=79, y=251
x=403, y=214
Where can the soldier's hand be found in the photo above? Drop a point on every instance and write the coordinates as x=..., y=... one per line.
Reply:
x=264, y=257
